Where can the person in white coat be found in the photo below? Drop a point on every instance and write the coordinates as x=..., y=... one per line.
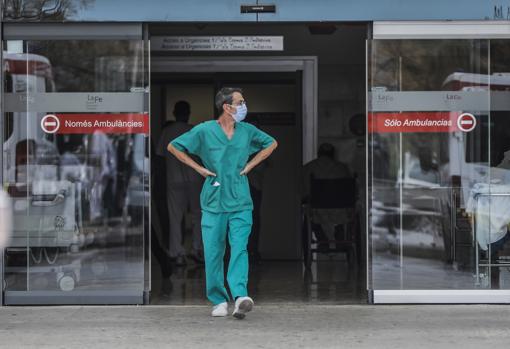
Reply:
x=183, y=189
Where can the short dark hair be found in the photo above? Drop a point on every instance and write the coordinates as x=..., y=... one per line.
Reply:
x=326, y=149
x=224, y=96
x=182, y=110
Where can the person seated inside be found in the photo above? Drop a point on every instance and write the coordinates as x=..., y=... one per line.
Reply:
x=325, y=221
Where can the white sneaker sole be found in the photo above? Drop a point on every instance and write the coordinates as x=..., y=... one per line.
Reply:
x=245, y=307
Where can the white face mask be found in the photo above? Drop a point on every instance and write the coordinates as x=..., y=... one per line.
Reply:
x=240, y=114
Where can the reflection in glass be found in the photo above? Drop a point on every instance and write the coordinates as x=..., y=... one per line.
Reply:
x=37, y=10
x=425, y=184
x=80, y=200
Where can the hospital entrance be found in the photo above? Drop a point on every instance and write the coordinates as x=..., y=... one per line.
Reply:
x=310, y=98
x=389, y=185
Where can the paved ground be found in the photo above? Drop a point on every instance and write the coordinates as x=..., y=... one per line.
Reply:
x=269, y=326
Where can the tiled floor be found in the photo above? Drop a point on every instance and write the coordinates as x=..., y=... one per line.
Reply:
x=270, y=282
x=329, y=282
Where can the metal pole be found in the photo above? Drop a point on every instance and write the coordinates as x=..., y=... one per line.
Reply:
x=2, y=282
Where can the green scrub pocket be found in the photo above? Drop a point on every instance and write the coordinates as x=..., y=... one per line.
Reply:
x=211, y=192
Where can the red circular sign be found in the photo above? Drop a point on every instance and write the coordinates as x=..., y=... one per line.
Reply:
x=50, y=123
x=466, y=122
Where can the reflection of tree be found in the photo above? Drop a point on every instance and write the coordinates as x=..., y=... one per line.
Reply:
x=97, y=65
x=43, y=9
x=500, y=57
x=423, y=65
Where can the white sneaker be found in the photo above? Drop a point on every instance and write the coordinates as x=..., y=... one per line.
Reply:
x=220, y=310
x=243, y=305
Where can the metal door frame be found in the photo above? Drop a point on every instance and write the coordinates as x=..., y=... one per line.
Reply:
x=306, y=64
x=2, y=282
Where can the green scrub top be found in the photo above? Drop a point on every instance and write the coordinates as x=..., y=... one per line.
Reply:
x=228, y=191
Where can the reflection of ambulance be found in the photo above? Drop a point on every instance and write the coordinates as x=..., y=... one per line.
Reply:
x=25, y=74
x=477, y=82
x=474, y=155
x=45, y=207
x=469, y=151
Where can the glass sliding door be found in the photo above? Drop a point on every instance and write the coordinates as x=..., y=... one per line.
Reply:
x=493, y=235
x=76, y=165
x=438, y=157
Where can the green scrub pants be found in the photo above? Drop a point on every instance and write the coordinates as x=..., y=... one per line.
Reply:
x=214, y=233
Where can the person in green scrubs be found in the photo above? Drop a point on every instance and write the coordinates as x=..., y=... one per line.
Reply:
x=224, y=147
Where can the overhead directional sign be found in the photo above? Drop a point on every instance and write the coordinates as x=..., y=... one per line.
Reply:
x=217, y=43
